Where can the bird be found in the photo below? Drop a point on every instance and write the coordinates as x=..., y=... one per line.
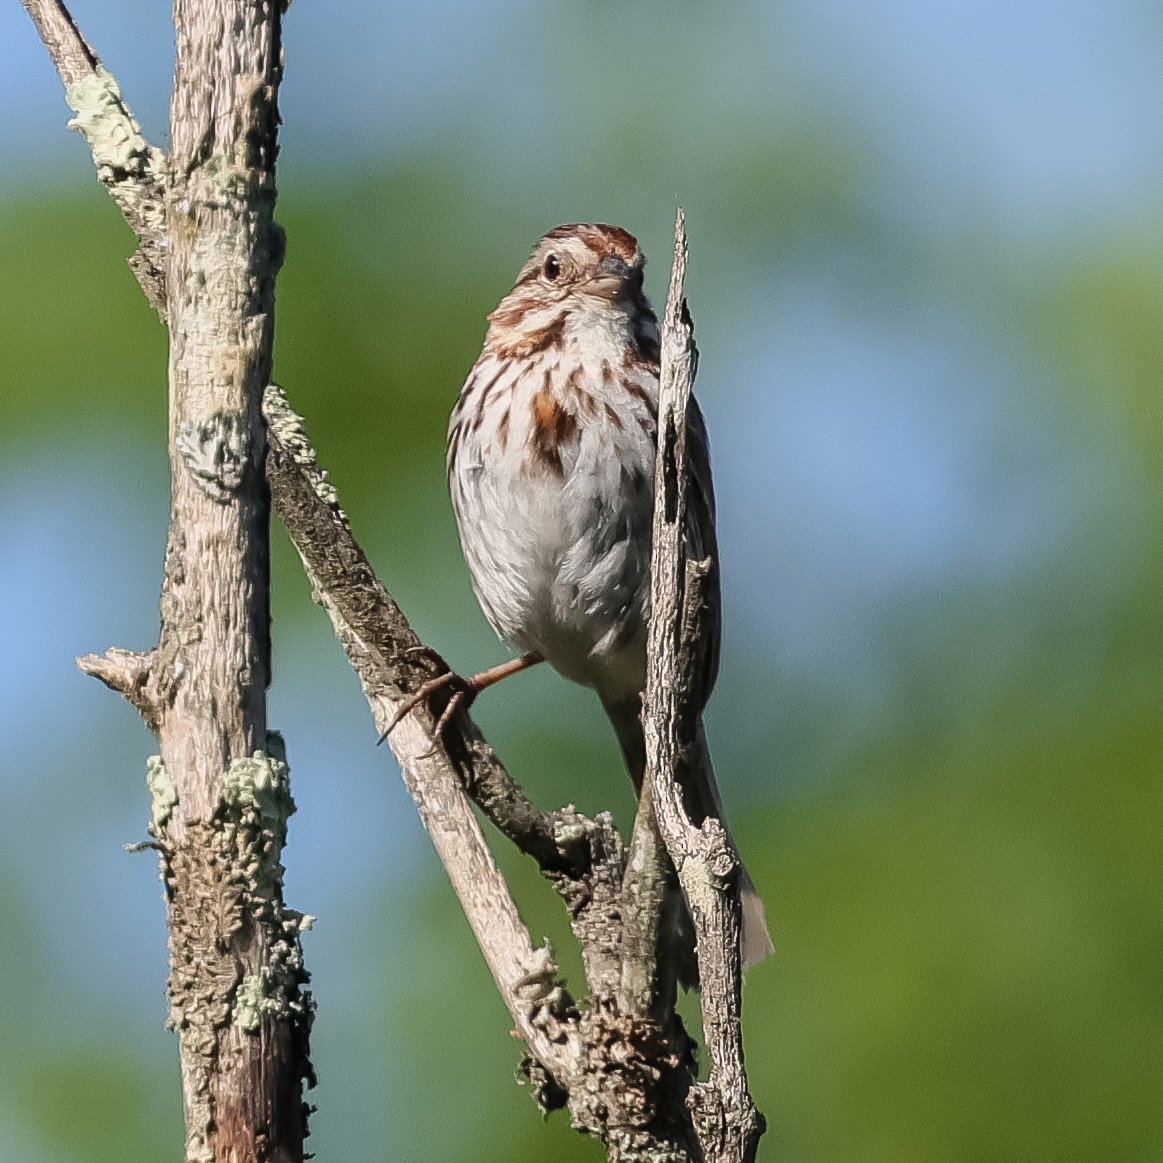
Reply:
x=551, y=452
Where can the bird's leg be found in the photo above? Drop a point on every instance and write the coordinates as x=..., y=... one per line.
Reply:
x=461, y=691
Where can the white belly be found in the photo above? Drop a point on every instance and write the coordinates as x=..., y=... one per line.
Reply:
x=560, y=560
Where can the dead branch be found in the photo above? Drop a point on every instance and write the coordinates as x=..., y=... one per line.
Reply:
x=132, y=170
x=209, y=253
x=623, y=1066
x=726, y=1120
x=622, y=1073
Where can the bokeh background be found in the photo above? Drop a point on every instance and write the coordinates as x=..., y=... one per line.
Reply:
x=927, y=276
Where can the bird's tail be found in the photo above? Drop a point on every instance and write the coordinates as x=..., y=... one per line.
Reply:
x=701, y=797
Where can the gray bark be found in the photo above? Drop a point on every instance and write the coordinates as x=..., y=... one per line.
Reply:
x=209, y=253
x=726, y=1121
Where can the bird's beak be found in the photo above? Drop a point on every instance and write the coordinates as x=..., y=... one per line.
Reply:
x=613, y=264
x=613, y=276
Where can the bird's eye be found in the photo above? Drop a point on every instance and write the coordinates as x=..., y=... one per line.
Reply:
x=552, y=267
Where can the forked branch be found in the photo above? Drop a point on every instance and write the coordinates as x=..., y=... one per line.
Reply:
x=622, y=1073
x=623, y=1065
x=209, y=252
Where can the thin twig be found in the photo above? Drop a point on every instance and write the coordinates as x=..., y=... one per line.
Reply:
x=68, y=49
x=644, y=888
x=132, y=170
x=623, y=1075
x=623, y=1067
x=342, y=575
x=726, y=1120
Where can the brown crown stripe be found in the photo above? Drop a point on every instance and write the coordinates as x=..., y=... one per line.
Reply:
x=599, y=237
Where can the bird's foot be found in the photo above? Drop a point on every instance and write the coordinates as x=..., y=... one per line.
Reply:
x=450, y=692
x=443, y=695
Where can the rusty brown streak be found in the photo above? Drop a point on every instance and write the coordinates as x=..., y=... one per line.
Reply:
x=479, y=408
x=553, y=429
x=642, y=355
x=601, y=238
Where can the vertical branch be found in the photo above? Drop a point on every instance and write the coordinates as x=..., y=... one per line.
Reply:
x=234, y=986
x=210, y=252
x=725, y=1118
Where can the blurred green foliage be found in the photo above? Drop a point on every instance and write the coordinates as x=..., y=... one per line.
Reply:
x=967, y=911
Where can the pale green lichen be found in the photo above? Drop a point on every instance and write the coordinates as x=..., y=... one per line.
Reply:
x=163, y=796
x=260, y=784
x=255, y=806
x=252, y=999
x=275, y=988
x=113, y=134
x=217, y=452
x=198, y=1149
x=287, y=425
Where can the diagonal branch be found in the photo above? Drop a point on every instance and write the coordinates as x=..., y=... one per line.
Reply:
x=394, y=658
x=68, y=49
x=623, y=1073
x=726, y=1120
x=132, y=170
x=382, y=648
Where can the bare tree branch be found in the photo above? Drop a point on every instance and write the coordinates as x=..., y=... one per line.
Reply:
x=126, y=672
x=623, y=1073
x=132, y=170
x=69, y=51
x=236, y=970
x=383, y=649
x=648, y=984
x=209, y=255
x=726, y=1120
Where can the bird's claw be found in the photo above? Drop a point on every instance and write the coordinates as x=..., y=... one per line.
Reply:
x=462, y=693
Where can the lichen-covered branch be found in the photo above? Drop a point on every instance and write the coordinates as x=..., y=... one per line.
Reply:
x=341, y=574
x=209, y=253
x=622, y=1072
x=132, y=170
x=242, y=1078
x=725, y=1118
x=384, y=651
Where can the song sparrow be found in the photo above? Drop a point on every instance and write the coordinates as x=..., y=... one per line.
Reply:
x=551, y=467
